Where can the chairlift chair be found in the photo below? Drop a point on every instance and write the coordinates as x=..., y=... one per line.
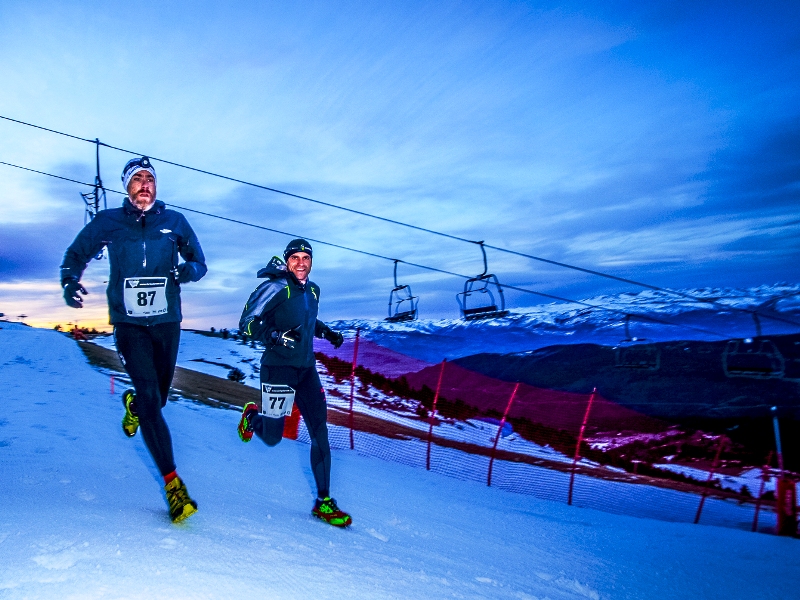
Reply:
x=754, y=358
x=636, y=352
x=477, y=301
x=646, y=357
x=402, y=303
x=757, y=359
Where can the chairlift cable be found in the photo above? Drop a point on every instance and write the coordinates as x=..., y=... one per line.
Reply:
x=54, y=176
x=382, y=257
x=408, y=225
x=419, y=266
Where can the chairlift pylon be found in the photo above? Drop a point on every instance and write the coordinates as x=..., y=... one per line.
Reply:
x=636, y=352
x=92, y=199
x=477, y=301
x=402, y=303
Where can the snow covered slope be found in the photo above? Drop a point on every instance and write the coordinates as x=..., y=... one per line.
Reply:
x=656, y=316
x=82, y=516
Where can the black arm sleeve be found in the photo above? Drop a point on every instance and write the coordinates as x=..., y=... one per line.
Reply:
x=320, y=328
x=191, y=252
x=86, y=246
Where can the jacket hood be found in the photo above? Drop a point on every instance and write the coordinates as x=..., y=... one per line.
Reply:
x=275, y=269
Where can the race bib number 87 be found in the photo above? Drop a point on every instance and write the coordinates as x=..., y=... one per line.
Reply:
x=145, y=296
x=276, y=400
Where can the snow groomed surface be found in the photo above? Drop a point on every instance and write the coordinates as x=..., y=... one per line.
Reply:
x=545, y=476
x=82, y=516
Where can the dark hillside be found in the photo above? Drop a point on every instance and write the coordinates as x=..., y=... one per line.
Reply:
x=668, y=380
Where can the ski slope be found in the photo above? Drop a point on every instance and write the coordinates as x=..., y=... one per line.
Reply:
x=82, y=516
x=216, y=356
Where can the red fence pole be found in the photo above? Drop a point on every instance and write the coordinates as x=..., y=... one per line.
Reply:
x=112, y=385
x=499, y=431
x=764, y=475
x=785, y=490
x=433, y=415
x=353, y=388
x=578, y=446
x=710, y=477
x=777, y=430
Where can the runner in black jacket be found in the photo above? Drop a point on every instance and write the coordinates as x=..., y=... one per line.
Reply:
x=282, y=312
x=144, y=241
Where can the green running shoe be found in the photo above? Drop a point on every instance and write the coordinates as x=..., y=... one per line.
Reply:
x=130, y=422
x=326, y=510
x=180, y=504
x=245, y=428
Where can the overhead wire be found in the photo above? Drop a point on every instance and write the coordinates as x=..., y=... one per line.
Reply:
x=382, y=257
x=564, y=265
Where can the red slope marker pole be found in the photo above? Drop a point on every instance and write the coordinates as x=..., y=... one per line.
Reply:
x=353, y=388
x=764, y=476
x=578, y=446
x=433, y=415
x=710, y=477
x=777, y=430
x=785, y=490
x=499, y=431
x=112, y=385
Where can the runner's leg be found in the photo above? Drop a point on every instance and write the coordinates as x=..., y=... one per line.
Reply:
x=136, y=347
x=166, y=339
x=270, y=430
x=310, y=400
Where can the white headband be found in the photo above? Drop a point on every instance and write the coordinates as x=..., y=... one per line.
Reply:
x=133, y=167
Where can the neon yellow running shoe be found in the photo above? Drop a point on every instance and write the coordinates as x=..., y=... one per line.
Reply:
x=180, y=504
x=130, y=422
x=326, y=510
x=245, y=427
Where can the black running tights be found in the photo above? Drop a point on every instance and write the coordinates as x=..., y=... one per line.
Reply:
x=310, y=400
x=149, y=354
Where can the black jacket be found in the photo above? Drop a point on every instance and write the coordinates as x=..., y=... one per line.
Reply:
x=140, y=244
x=279, y=304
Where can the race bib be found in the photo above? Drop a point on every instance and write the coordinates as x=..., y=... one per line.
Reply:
x=276, y=400
x=145, y=296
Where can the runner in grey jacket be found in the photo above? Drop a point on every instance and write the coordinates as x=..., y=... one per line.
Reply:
x=282, y=312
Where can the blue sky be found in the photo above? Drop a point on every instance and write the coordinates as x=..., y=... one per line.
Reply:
x=657, y=141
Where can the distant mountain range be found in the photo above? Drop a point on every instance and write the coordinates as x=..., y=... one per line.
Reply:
x=666, y=356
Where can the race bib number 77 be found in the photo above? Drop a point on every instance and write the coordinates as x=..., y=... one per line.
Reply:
x=145, y=296
x=276, y=400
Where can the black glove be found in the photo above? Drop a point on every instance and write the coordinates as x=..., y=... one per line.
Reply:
x=71, y=295
x=334, y=337
x=182, y=273
x=288, y=339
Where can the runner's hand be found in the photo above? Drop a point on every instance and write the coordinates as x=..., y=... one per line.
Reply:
x=182, y=273
x=334, y=337
x=287, y=339
x=71, y=295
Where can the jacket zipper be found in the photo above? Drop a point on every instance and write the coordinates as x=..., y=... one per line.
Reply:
x=144, y=245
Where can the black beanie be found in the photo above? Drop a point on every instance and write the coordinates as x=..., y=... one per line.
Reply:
x=298, y=245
